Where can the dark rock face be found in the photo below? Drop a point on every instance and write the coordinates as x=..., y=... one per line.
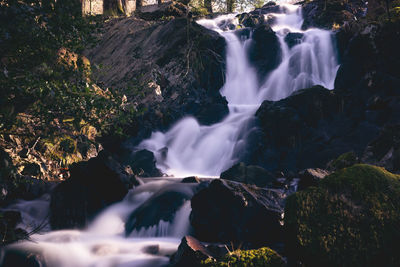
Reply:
x=293, y=38
x=8, y=227
x=385, y=149
x=93, y=185
x=227, y=211
x=311, y=177
x=298, y=131
x=143, y=164
x=183, y=65
x=250, y=20
x=13, y=258
x=265, y=50
x=171, y=9
x=190, y=253
x=324, y=14
x=350, y=219
x=161, y=206
x=253, y=175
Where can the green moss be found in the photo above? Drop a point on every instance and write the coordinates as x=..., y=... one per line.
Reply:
x=345, y=160
x=352, y=218
x=265, y=257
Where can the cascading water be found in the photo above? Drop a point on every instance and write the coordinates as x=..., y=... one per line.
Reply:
x=192, y=149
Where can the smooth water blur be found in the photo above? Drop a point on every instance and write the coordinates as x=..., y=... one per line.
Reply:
x=104, y=242
x=194, y=149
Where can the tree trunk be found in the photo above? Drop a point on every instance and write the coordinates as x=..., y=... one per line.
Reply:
x=208, y=5
x=139, y=4
x=230, y=6
x=117, y=6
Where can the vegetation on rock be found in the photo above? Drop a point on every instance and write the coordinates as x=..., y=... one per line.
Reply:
x=350, y=219
x=262, y=257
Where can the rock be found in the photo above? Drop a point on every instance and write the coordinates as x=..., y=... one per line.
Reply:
x=250, y=20
x=385, y=149
x=13, y=258
x=350, y=219
x=298, y=129
x=190, y=253
x=9, y=220
x=32, y=169
x=192, y=179
x=265, y=51
x=167, y=200
x=227, y=211
x=92, y=186
x=165, y=10
x=343, y=161
x=253, y=175
x=255, y=257
x=330, y=14
x=311, y=177
x=143, y=164
x=293, y=38
x=152, y=249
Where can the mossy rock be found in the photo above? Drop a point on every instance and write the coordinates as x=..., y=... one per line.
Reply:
x=343, y=161
x=263, y=257
x=351, y=219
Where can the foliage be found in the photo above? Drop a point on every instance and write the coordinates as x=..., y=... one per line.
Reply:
x=240, y=258
x=44, y=81
x=352, y=218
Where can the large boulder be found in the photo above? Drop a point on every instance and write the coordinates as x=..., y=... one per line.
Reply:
x=265, y=51
x=92, y=186
x=250, y=20
x=143, y=164
x=227, y=211
x=301, y=131
x=253, y=175
x=350, y=219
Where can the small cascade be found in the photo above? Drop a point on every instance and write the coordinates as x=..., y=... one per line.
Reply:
x=194, y=149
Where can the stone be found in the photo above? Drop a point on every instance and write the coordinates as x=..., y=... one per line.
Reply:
x=191, y=252
x=350, y=219
x=253, y=175
x=92, y=186
x=227, y=211
x=311, y=177
x=192, y=179
x=143, y=164
x=265, y=50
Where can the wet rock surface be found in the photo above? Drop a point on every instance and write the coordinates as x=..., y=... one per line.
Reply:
x=228, y=211
x=92, y=186
x=183, y=65
x=253, y=175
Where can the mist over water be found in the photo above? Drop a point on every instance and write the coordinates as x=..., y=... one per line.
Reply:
x=193, y=149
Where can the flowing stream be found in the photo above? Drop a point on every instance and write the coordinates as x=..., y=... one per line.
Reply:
x=193, y=149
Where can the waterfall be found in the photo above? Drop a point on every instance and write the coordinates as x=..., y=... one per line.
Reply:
x=194, y=149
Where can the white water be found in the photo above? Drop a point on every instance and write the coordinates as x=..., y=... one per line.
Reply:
x=104, y=242
x=195, y=149
x=192, y=149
